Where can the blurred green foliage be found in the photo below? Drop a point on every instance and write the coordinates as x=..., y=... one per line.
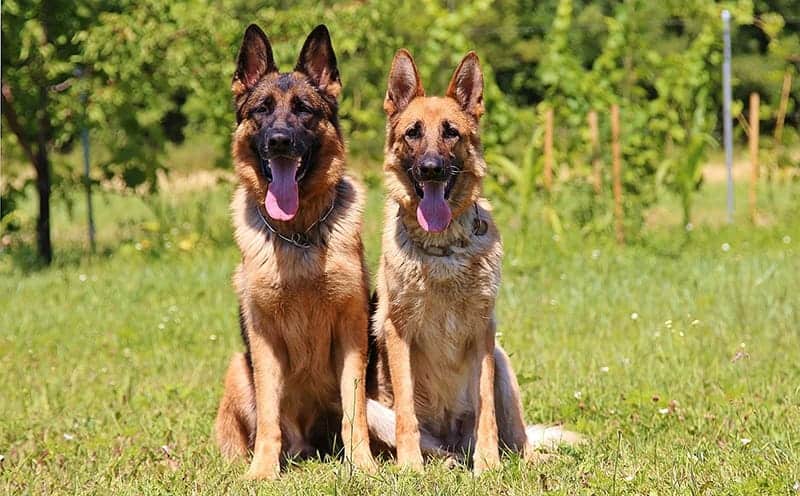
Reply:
x=156, y=71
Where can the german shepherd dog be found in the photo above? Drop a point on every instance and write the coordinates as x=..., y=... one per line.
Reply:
x=302, y=282
x=451, y=386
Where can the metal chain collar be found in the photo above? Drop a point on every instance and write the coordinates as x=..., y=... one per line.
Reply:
x=298, y=239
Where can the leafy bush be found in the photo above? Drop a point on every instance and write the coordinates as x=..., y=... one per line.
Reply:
x=154, y=71
x=666, y=100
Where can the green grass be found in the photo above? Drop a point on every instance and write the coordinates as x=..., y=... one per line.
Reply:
x=112, y=365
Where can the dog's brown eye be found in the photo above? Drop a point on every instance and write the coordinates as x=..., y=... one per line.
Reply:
x=450, y=132
x=413, y=132
x=300, y=107
x=265, y=108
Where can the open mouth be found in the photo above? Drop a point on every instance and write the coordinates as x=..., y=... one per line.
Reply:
x=420, y=190
x=284, y=174
x=433, y=211
x=300, y=162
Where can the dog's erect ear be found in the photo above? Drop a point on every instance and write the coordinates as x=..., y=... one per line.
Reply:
x=404, y=83
x=466, y=86
x=255, y=60
x=318, y=62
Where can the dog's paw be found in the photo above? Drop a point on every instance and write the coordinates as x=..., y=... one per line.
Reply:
x=410, y=460
x=534, y=457
x=485, y=463
x=263, y=470
x=451, y=462
x=365, y=463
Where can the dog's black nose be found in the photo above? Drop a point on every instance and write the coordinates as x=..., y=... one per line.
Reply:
x=279, y=141
x=431, y=168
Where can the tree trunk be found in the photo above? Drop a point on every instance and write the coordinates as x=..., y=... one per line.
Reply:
x=43, y=181
x=43, y=222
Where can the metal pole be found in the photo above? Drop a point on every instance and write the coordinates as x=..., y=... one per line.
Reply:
x=727, y=120
x=87, y=181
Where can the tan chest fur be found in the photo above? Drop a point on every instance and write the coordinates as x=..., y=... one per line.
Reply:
x=300, y=292
x=444, y=303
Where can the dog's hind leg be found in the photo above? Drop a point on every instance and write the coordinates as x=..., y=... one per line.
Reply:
x=236, y=418
x=508, y=404
x=294, y=443
x=513, y=433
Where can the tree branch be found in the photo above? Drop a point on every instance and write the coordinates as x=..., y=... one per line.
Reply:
x=13, y=123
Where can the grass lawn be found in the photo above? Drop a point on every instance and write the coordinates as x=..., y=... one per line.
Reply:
x=678, y=357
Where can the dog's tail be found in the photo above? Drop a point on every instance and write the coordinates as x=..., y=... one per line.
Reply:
x=551, y=436
x=381, y=421
x=372, y=347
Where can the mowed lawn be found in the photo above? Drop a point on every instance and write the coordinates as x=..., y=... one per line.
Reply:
x=678, y=357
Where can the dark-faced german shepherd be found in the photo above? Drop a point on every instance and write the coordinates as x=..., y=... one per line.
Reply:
x=450, y=385
x=302, y=283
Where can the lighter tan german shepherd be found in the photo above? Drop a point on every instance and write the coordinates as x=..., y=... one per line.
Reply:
x=438, y=366
x=302, y=283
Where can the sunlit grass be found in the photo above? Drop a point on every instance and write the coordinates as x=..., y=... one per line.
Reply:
x=678, y=359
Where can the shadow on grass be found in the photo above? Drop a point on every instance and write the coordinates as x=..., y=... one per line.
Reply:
x=24, y=258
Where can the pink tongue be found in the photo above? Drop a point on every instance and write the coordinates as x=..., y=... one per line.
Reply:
x=282, y=197
x=433, y=212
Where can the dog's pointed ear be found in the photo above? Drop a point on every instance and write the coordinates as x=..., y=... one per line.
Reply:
x=404, y=83
x=318, y=62
x=255, y=60
x=466, y=86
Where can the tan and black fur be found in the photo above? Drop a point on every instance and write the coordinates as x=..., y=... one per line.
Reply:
x=304, y=309
x=450, y=386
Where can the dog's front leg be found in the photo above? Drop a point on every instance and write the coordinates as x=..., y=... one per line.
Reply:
x=407, y=426
x=487, y=454
x=351, y=366
x=268, y=377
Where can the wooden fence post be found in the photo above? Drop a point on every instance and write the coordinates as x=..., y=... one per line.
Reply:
x=616, y=154
x=548, y=150
x=782, y=107
x=594, y=139
x=753, y=139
